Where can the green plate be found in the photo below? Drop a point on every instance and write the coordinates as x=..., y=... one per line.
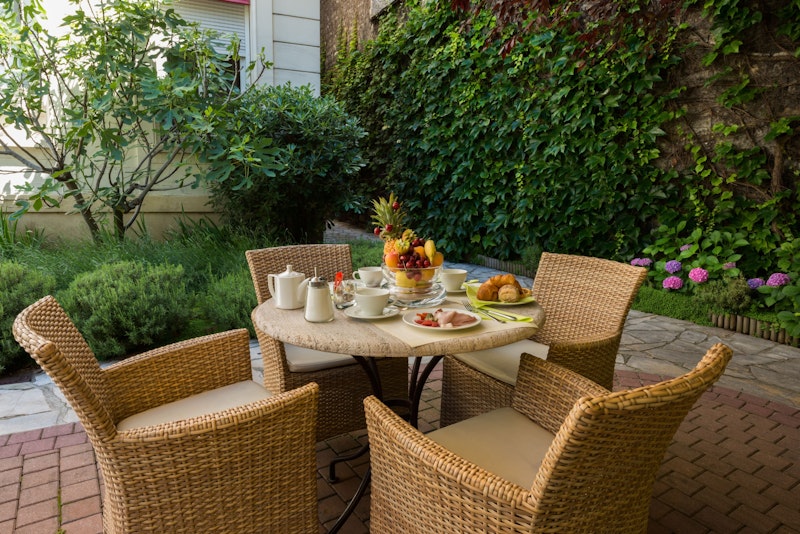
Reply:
x=472, y=292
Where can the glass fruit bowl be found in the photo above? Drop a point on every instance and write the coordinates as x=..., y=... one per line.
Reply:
x=413, y=287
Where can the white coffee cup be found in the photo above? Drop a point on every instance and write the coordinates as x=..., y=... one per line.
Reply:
x=372, y=300
x=371, y=276
x=453, y=279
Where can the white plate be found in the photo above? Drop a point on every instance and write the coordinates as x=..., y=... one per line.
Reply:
x=409, y=317
x=457, y=292
x=356, y=313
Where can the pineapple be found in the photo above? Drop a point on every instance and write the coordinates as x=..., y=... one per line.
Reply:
x=388, y=218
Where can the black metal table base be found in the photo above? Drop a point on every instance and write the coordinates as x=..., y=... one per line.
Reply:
x=416, y=384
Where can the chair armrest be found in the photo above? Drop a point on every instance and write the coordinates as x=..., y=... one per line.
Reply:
x=420, y=486
x=546, y=392
x=591, y=356
x=178, y=370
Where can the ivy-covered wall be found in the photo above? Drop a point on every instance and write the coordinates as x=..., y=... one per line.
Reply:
x=590, y=128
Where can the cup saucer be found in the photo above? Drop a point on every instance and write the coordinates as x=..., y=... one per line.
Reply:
x=357, y=313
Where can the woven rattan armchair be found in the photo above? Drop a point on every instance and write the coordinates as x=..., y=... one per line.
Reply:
x=186, y=441
x=585, y=301
x=343, y=384
x=568, y=456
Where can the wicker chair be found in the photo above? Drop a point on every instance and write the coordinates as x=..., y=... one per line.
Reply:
x=343, y=384
x=585, y=300
x=568, y=456
x=186, y=441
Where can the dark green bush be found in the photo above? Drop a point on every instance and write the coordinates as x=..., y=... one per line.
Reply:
x=228, y=302
x=315, y=149
x=726, y=296
x=675, y=305
x=126, y=307
x=19, y=287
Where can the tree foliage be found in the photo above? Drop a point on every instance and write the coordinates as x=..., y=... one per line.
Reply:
x=117, y=105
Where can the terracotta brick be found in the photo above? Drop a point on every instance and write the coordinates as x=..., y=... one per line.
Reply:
x=45, y=526
x=788, y=515
x=8, y=510
x=675, y=521
x=10, y=450
x=9, y=493
x=80, y=509
x=792, y=421
x=758, y=521
x=71, y=439
x=75, y=461
x=45, y=444
x=715, y=520
x=58, y=430
x=73, y=476
x=87, y=525
x=41, y=511
x=81, y=490
x=24, y=437
x=40, y=463
x=681, y=502
x=10, y=476
x=777, y=478
x=37, y=478
x=40, y=493
x=7, y=527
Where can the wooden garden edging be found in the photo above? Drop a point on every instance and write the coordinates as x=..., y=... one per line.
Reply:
x=753, y=327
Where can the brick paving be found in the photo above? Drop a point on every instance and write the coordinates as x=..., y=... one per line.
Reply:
x=732, y=467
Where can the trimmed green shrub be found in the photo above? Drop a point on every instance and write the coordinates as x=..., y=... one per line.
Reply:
x=726, y=296
x=228, y=302
x=675, y=305
x=315, y=149
x=19, y=287
x=126, y=307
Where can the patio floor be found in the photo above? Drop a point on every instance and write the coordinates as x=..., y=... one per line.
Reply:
x=733, y=467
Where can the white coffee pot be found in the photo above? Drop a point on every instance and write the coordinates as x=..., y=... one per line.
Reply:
x=288, y=288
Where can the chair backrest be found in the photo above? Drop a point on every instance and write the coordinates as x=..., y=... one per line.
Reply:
x=602, y=464
x=583, y=296
x=47, y=333
x=327, y=259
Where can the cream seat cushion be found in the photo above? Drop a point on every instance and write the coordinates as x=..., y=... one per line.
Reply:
x=302, y=360
x=204, y=403
x=502, y=363
x=503, y=441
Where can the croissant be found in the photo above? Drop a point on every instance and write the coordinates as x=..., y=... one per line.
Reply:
x=490, y=289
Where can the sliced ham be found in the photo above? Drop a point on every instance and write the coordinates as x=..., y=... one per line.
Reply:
x=452, y=318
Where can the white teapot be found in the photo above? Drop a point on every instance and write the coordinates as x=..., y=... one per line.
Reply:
x=288, y=289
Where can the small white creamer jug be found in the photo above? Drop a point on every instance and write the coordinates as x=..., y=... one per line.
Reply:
x=319, y=303
x=288, y=289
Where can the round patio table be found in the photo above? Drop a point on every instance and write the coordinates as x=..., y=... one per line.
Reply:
x=390, y=337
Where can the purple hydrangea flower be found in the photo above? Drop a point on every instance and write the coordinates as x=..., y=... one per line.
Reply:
x=778, y=279
x=672, y=282
x=673, y=266
x=699, y=275
x=755, y=283
x=729, y=265
x=642, y=262
x=685, y=247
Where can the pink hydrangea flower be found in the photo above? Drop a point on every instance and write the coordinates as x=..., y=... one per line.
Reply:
x=778, y=279
x=642, y=262
x=699, y=275
x=685, y=247
x=729, y=265
x=672, y=282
